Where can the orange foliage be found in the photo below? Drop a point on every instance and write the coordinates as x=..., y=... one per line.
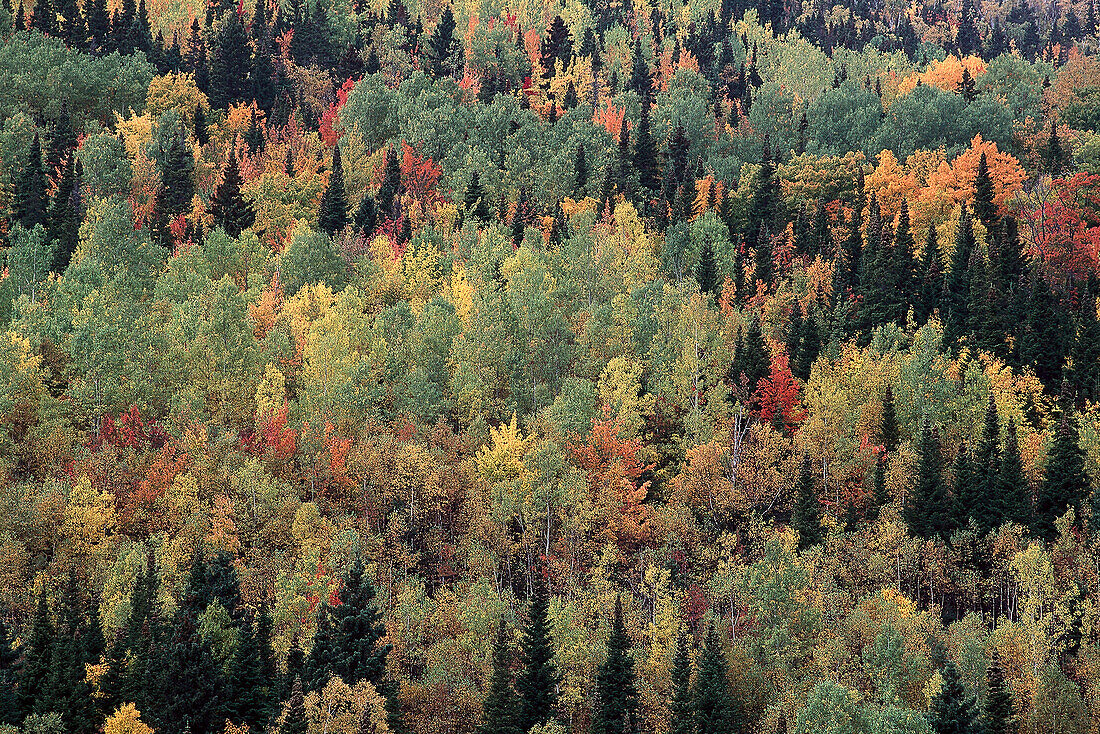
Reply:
x=946, y=74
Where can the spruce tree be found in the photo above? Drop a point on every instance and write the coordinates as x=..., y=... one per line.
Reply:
x=806, y=515
x=9, y=657
x=1000, y=716
x=984, y=208
x=366, y=215
x=953, y=711
x=929, y=510
x=963, y=487
x=357, y=651
x=712, y=701
x=389, y=192
x=317, y=667
x=645, y=154
x=34, y=673
x=681, y=707
x=1013, y=492
x=30, y=198
x=230, y=62
x=65, y=213
x=751, y=362
x=294, y=720
x=1054, y=155
x=580, y=170
x=986, y=470
x=616, y=686
x=888, y=428
x=538, y=678
x=333, y=214
x=956, y=287
x=1084, y=374
x=474, y=199
x=1065, y=483
x=931, y=285
x=706, y=272
x=442, y=44
x=228, y=207
x=500, y=709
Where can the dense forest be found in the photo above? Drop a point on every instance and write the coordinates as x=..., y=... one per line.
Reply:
x=549, y=366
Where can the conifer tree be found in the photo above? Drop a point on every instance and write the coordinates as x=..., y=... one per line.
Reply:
x=645, y=154
x=966, y=494
x=1084, y=374
x=230, y=63
x=616, y=686
x=333, y=214
x=984, y=208
x=1054, y=155
x=294, y=719
x=879, y=495
x=931, y=285
x=1065, y=483
x=580, y=170
x=1013, y=492
x=1000, y=717
x=30, y=198
x=68, y=691
x=500, y=709
x=764, y=203
x=389, y=192
x=253, y=673
x=538, y=676
x=474, y=199
x=65, y=213
x=442, y=44
x=929, y=509
x=806, y=515
x=956, y=287
x=34, y=673
x=751, y=362
x=9, y=656
x=357, y=651
x=706, y=272
x=682, y=719
x=953, y=711
x=986, y=470
x=888, y=430
x=712, y=701
x=229, y=208
x=366, y=215
x=99, y=26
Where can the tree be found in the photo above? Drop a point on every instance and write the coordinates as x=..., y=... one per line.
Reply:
x=984, y=208
x=953, y=711
x=751, y=362
x=538, y=678
x=333, y=214
x=682, y=715
x=714, y=708
x=229, y=208
x=230, y=62
x=1000, y=716
x=475, y=199
x=66, y=213
x=644, y=160
x=1054, y=155
x=888, y=428
x=500, y=709
x=294, y=714
x=986, y=469
x=956, y=287
x=442, y=44
x=806, y=515
x=580, y=170
x=616, y=686
x=929, y=509
x=1013, y=490
x=34, y=674
x=30, y=197
x=253, y=673
x=9, y=702
x=706, y=272
x=389, y=193
x=1065, y=483
x=1084, y=372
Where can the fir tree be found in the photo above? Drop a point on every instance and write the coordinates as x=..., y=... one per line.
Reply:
x=929, y=509
x=230, y=63
x=963, y=487
x=333, y=214
x=681, y=707
x=442, y=44
x=953, y=711
x=616, y=686
x=1065, y=483
x=358, y=653
x=751, y=362
x=229, y=208
x=580, y=170
x=706, y=272
x=500, y=709
x=538, y=678
x=806, y=515
x=931, y=286
x=984, y=208
x=879, y=496
x=30, y=200
x=474, y=199
x=1000, y=716
x=956, y=287
x=389, y=192
x=1013, y=493
x=65, y=213
x=366, y=215
x=645, y=154
x=34, y=673
x=712, y=701
x=888, y=428
x=1054, y=155
x=1084, y=373
x=986, y=470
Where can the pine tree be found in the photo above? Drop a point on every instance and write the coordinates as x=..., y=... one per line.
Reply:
x=806, y=515
x=616, y=686
x=645, y=154
x=712, y=701
x=929, y=509
x=953, y=711
x=333, y=214
x=1000, y=716
x=751, y=362
x=984, y=208
x=1065, y=483
x=30, y=200
x=228, y=207
x=967, y=88
x=538, y=678
x=580, y=170
x=500, y=709
x=1054, y=155
x=931, y=285
x=888, y=428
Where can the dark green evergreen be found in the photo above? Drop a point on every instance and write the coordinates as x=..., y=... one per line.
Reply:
x=986, y=470
x=929, y=509
x=999, y=713
x=616, y=685
x=706, y=272
x=1065, y=483
x=295, y=720
x=681, y=707
x=1084, y=371
x=30, y=198
x=984, y=208
x=500, y=709
x=230, y=62
x=1013, y=492
x=806, y=515
x=389, y=192
x=956, y=287
x=953, y=711
x=366, y=215
x=228, y=207
x=538, y=677
x=888, y=428
x=66, y=213
x=713, y=704
x=34, y=672
x=333, y=214
x=475, y=199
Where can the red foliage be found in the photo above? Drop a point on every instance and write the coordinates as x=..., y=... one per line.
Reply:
x=128, y=431
x=778, y=394
x=1062, y=222
x=331, y=117
x=420, y=174
x=274, y=438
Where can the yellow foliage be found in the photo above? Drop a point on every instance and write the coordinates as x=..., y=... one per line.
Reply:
x=504, y=459
x=270, y=393
x=946, y=74
x=126, y=720
x=175, y=91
